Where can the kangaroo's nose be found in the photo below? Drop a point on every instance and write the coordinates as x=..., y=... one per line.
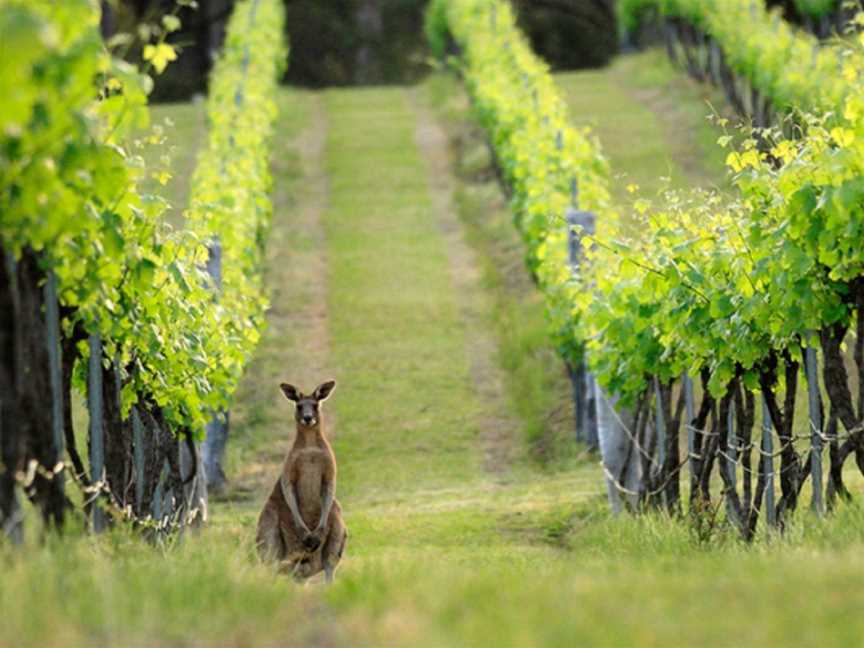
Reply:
x=308, y=420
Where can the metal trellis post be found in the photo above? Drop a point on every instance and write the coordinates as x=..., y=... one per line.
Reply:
x=660, y=425
x=690, y=408
x=580, y=223
x=97, y=448
x=814, y=406
x=52, y=325
x=213, y=448
x=138, y=457
x=732, y=455
x=768, y=464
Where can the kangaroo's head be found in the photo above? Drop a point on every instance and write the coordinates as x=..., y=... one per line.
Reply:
x=307, y=412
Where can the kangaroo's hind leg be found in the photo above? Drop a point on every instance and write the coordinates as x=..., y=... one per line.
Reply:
x=334, y=546
x=268, y=539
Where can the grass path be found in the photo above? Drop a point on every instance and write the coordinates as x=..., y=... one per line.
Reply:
x=379, y=281
x=651, y=121
x=408, y=411
x=498, y=426
x=374, y=284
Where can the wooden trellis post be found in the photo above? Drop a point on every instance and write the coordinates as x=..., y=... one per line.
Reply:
x=12, y=526
x=618, y=451
x=716, y=58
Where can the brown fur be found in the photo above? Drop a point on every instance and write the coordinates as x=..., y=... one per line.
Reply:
x=309, y=469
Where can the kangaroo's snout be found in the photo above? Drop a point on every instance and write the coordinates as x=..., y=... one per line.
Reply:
x=307, y=412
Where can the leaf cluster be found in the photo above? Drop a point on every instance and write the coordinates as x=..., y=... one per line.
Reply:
x=541, y=157
x=785, y=64
x=71, y=189
x=706, y=282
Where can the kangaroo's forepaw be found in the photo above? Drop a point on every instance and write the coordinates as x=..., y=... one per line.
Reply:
x=311, y=541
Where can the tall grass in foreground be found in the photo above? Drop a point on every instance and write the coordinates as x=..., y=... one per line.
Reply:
x=118, y=589
x=631, y=581
x=643, y=579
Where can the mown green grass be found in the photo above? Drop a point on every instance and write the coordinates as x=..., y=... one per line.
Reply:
x=442, y=552
x=793, y=598
x=115, y=589
x=652, y=123
x=406, y=409
x=537, y=387
x=407, y=413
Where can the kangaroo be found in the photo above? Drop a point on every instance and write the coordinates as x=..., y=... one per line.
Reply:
x=303, y=498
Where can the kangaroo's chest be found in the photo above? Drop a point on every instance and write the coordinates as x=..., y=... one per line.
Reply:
x=310, y=466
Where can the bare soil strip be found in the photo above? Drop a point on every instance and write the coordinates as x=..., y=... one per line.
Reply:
x=499, y=428
x=295, y=347
x=299, y=270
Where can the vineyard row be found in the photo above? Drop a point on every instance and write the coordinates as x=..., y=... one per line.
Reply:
x=738, y=292
x=98, y=292
x=786, y=68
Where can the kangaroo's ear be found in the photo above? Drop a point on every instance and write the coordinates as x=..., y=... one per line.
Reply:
x=324, y=390
x=290, y=392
